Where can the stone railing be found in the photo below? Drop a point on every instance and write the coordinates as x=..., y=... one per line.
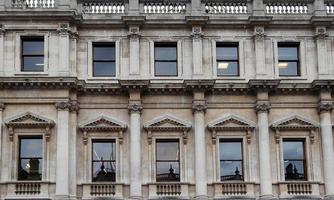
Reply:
x=103, y=7
x=21, y=189
x=33, y=3
x=287, y=8
x=330, y=8
x=226, y=8
x=226, y=189
x=298, y=188
x=164, y=7
x=172, y=189
x=102, y=190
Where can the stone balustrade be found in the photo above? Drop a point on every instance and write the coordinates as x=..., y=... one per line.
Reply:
x=227, y=189
x=27, y=188
x=226, y=8
x=330, y=8
x=293, y=188
x=164, y=8
x=21, y=189
x=33, y=3
x=286, y=8
x=102, y=190
x=170, y=189
x=103, y=7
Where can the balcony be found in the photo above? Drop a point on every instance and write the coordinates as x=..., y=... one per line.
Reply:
x=228, y=7
x=168, y=189
x=31, y=4
x=233, y=189
x=93, y=190
x=286, y=7
x=302, y=188
x=31, y=189
x=164, y=7
x=103, y=7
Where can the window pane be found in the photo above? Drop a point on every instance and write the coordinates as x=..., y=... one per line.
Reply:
x=230, y=151
x=288, y=53
x=231, y=170
x=167, y=151
x=294, y=169
x=227, y=53
x=293, y=150
x=104, y=151
x=33, y=63
x=165, y=69
x=104, y=171
x=30, y=169
x=168, y=171
x=165, y=53
x=288, y=68
x=31, y=148
x=228, y=69
x=104, y=69
x=33, y=47
x=104, y=53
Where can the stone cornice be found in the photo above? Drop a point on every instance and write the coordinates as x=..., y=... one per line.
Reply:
x=263, y=84
x=167, y=123
x=231, y=122
x=103, y=123
x=294, y=122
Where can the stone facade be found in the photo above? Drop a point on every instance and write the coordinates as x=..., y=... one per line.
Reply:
x=69, y=107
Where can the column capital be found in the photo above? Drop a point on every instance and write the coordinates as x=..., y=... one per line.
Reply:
x=134, y=32
x=259, y=33
x=135, y=107
x=199, y=106
x=2, y=106
x=320, y=33
x=325, y=106
x=262, y=107
x=71, y=106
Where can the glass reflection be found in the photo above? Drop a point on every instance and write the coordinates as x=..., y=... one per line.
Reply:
x=288, y=61
x=104, y=62
x=227, y=59
x=231, y=162
x=32, y=54
x=294, y=160
x=165, y=57
x=167, y=161
x=104, y=161
x=30, y=159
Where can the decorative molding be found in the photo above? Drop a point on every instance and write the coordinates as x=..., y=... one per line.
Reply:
x=70, y=105
x=103, y=124
x=321, y=32
x=134, y=33
x=196, y=32
x=259, y=33
x=231, y=122
x=135, y=107
x=29, y=120
x=199, y=106
x=2, y=106
x=262, y=106
x=325, y=106
x=167, y=123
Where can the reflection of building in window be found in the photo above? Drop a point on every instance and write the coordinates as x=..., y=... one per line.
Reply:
x=30, y=158
x=288, y=59
x=294, y=159
x=104, y=160
x=167, y=161
x=231, y=161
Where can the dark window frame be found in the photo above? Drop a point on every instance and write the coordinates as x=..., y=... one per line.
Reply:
x=297, y=61
x=21, y=158
x=112, y=161
x=103, y=44
x=228, y=44
x=23, y=55
x=303, y=140
x=234, y=140
x=166, y=44
x=163, y=161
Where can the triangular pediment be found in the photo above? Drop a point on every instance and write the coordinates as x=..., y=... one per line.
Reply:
x=167, y=123
x=294, y=122
x=29, y=120
x=103, y=123
x=231, y=122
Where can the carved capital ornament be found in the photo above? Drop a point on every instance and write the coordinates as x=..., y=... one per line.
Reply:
x=261, y=107
x=325, y=106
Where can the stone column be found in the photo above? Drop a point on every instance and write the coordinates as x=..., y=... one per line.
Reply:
x=135, y=108
x=262, y=108
x=324, y=70
x=2, y=51
x=64, y=49
x=197, y=51
x=62, y=171
x=199, y=107
x=325, y=108
x=2, y=107
x=259, y=44
x=74, y=109
x=134, y=37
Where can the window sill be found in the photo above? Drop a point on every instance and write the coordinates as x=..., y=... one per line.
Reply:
x=31, y=74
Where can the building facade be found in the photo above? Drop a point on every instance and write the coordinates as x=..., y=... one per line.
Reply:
x=166, y=99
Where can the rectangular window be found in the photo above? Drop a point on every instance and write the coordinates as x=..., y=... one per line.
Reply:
x=32, y=54
x=30, y=158
x=104, y=160
x=231, y=160
x=227, y=59
x=165, y=59
x=167, y=160
x=294, y=159
x=104, y=63
x=288, y=59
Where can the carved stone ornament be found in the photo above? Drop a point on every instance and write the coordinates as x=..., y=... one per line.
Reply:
x=68, y=105
x=197, y=32
x=2, y=30
x=259, y=33
x=199, y=106
x=134, y=33
x=29, y=120
x=231, y=122
x=262, y=106
x=321, y=33
x=2, y=106
x=325, y=106
x=135, y=107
